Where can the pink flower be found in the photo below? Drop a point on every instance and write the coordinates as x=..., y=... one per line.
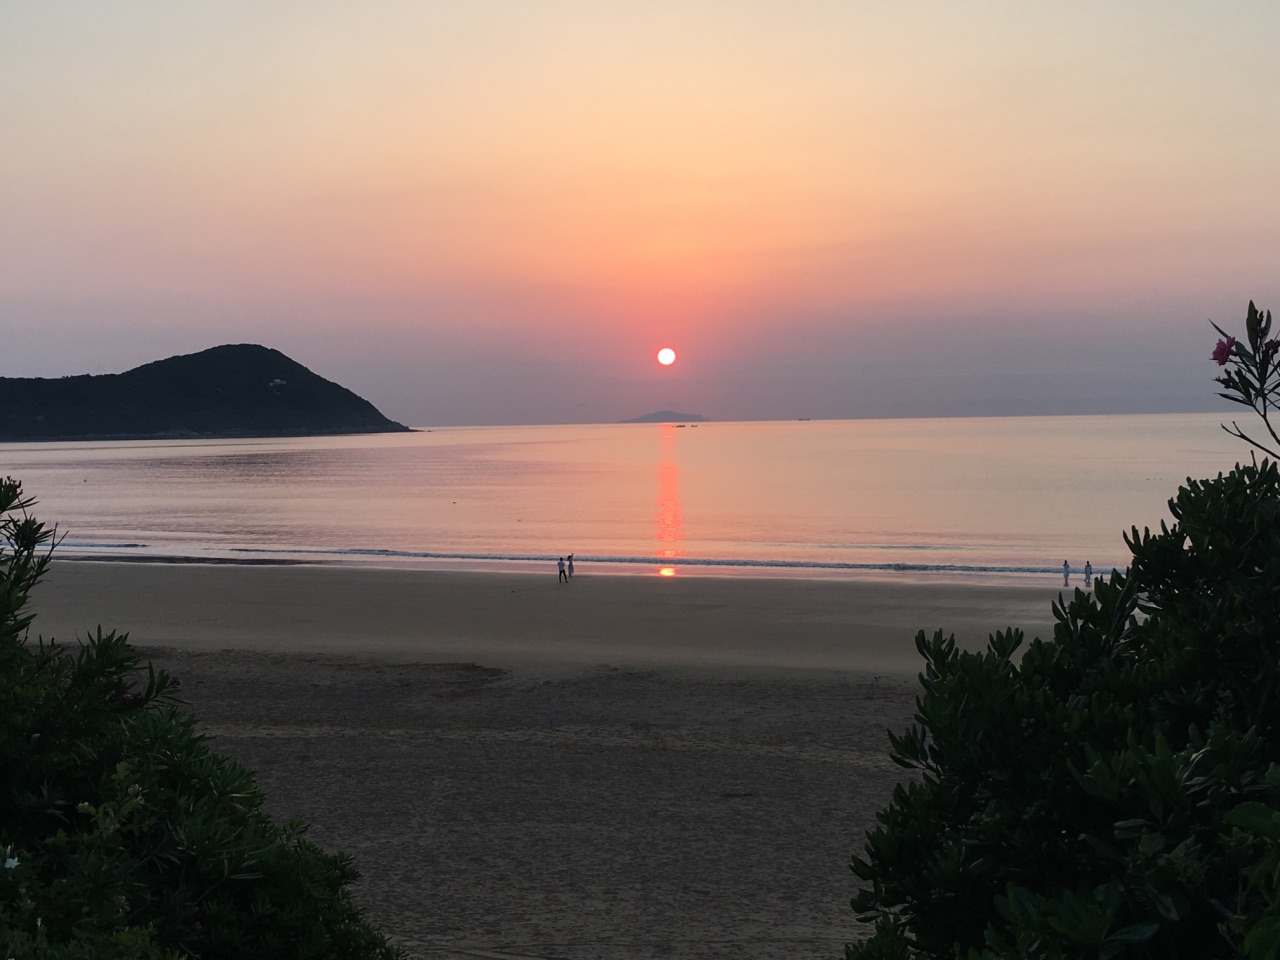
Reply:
x=1222, y=352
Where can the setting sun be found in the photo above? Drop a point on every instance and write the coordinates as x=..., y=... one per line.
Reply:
x=666, y=356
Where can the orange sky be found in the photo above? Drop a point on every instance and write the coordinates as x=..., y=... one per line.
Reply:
x=420, y=200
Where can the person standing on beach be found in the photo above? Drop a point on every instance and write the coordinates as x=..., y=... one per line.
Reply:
x=1088, y=575
x=562, y=578
x=571, y=566
x=1066, y=572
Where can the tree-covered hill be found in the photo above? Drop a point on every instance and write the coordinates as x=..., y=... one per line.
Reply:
x=240, y=390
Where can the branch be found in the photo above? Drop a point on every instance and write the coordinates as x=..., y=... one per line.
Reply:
x=1235, y=431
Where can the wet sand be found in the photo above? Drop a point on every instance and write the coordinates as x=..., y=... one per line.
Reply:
x=617, y=767
x=532, y=622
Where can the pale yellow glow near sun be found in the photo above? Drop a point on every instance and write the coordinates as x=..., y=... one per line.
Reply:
x=666, y=356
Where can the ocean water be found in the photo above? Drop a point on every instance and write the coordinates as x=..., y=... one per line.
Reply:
x=985, y=497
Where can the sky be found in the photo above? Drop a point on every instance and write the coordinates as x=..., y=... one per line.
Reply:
x=497, y=211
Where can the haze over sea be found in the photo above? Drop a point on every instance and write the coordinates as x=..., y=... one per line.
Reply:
x=982, y=498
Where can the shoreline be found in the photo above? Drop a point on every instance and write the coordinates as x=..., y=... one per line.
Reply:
x=624, y=566
x=508, y=619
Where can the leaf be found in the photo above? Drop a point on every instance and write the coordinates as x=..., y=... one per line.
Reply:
x=1134, y=933
x=1151, y=843
x=1263, y=941
x=1254, y=816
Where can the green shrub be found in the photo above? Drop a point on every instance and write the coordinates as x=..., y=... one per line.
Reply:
x=121, y=833
x=1111, y=791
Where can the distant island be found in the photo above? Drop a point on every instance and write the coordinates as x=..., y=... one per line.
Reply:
x=667, y=416
x=237, y=390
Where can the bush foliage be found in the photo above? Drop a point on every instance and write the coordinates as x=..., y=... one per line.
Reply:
x=1111, y=791
x=121, y=833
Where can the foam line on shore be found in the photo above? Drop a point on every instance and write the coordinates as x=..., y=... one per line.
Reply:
x=303, y=554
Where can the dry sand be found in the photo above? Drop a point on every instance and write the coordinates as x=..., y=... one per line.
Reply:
x=619, y=767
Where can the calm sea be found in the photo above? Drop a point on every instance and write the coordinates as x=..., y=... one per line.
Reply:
x=998, y=497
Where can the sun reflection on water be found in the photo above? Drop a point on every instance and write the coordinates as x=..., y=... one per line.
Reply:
x=668, y=534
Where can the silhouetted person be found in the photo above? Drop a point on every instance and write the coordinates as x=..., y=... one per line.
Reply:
x=1088, y=574
x=571, y=564
x=563, y=577
x=1066, y=572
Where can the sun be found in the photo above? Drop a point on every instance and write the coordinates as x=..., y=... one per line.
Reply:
x=666, y=356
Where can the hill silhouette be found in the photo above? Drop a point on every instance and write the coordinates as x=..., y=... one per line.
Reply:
x=237, y=390
x=667, y=416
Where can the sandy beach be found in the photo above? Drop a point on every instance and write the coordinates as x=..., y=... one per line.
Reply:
x=617, y=767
